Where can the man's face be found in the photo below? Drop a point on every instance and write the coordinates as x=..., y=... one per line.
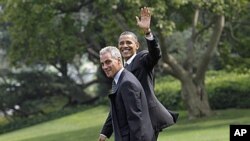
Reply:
x=110, y=65
x=127, y=46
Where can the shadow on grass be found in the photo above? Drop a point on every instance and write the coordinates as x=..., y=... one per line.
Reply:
x=221, y=118
x=87, y=134
x=27, y=122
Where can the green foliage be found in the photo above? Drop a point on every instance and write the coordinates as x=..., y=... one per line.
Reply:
x=49, y=31
x=167, y=90
x=224, y=89
x=228, y=90
x=53, y=32
x=234, y=49
x=37, y=93
x=177, y=47
x=40, y=32
x=229, y=97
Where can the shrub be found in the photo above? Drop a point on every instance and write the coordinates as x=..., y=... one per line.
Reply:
x=167, y=90
x=228, y=90
x=229, y=97
x=224, y=89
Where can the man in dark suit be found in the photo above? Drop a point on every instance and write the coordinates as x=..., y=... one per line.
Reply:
x=129, y=114
x=142, y=64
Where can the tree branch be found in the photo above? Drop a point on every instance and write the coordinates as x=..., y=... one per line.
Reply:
x=167, y=69
x=231, y=31
x=75, y=7
x=90, y=83
x=93, y=52
x=172, y=66
x=190, y=44
x=203, y=29
x=215, y=37
x=121, y=22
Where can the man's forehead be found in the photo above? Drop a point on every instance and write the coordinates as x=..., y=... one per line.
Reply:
x=105, y=56
x=127, y=37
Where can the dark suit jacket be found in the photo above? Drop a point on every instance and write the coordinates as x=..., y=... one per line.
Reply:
x=142, y=67
x=129, y=110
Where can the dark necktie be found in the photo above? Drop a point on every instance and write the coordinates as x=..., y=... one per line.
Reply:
x=114, y=87
x=125, y=65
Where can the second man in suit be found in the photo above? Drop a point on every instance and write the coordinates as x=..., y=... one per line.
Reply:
x=129, y=114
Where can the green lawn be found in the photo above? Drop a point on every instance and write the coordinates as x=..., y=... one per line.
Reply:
x=85, y=126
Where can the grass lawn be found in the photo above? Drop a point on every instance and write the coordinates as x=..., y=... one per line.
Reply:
x=85, y=126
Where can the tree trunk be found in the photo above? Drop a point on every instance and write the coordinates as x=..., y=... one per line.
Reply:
x=193, y=91
x=195, y=99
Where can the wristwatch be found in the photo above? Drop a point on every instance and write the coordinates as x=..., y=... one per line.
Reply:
x=148, y=32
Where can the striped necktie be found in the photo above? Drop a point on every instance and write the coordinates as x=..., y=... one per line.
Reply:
x=114, y=87
x=125, y=65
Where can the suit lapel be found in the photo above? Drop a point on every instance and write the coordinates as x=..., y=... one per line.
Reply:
x=118, y=83
x=120, y=79
x=131, y=66
x=135, y=62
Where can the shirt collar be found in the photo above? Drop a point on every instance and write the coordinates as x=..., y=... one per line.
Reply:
x=117, y=75
x=130, y=59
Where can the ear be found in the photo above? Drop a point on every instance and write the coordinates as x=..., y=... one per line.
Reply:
x=137, y=45
x=119, y=60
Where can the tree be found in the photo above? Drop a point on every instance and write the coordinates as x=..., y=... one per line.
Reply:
x=46, y=33
x=41, y=33
x=234, y=49
x=205, y=19
x=208, y=19
x=36, y=92
x=49, y=32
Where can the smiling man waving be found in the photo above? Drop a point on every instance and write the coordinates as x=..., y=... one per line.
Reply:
x=142, y=64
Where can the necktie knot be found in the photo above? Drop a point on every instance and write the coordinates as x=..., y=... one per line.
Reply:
x=125, y=65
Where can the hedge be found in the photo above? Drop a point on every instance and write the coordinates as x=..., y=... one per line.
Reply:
x=224, y=89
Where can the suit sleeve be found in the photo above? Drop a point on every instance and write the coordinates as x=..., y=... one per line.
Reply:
x=133, y=106
x=154, y=53
x=107, y=128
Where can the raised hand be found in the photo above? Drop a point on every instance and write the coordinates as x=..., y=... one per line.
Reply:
x=144, y=20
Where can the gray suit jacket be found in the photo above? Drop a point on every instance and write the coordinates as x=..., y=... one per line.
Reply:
x=129, y=111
